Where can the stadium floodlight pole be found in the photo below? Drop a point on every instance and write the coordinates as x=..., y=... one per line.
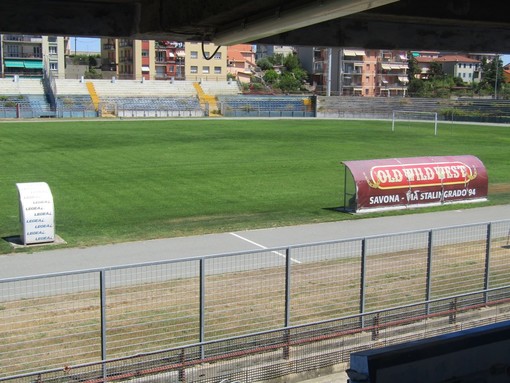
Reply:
x=496, y=79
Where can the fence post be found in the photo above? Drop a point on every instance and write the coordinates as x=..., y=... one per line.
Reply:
x=182, y=369
x=102, y=287
x=286, y=348
x=375, y=327
x=486, y=281
x=362, y=282
x=202, y=307
x=429, y=273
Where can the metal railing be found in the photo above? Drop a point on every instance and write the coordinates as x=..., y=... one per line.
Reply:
x=350, y=288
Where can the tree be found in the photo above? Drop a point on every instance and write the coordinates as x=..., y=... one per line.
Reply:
x=291, y=62
x=288, y=82
x=271, y=77
x=492, y=74
x=412, y=67
x=416, y=87
x=292, y=74
x=264, y=63
x=436, y=71
x=92, y=73
x=277, y=59
x=92, y=62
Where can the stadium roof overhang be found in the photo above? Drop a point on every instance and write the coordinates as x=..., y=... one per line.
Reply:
x=460, y=25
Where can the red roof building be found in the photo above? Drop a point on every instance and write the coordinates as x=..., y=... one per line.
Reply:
x=241, y=61
x=455, y=65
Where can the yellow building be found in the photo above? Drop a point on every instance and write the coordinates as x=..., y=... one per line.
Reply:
x=198, y=68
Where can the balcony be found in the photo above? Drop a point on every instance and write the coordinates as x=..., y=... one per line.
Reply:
x=22, y=55
x=125, y=43
x=355, y=71
x=23, y=38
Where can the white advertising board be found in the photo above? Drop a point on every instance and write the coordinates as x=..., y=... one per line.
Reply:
x=36, y=212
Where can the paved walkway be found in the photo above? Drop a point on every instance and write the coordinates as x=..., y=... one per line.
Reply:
x=71, y=259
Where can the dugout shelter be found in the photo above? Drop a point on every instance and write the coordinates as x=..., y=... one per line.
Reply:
x=399, y=183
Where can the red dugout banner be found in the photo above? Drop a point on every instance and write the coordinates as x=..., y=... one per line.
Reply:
x=416, y=181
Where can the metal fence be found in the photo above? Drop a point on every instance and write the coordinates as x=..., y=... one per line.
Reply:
x=343, y=287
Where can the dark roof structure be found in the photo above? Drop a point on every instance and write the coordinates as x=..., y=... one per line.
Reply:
x=461, y=25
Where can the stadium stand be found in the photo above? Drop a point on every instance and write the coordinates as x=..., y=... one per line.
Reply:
x=26, y=98
x=23, y=98
x=266, y=106
x=151, y=106
x=73, y=99
x=126, y=98
x=374, y=107
x=129, y=98
x=220, y=88
x=463, y=109
x=134, y=88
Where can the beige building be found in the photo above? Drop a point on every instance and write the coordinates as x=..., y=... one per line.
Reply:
x=128, y=59
x=198, y=68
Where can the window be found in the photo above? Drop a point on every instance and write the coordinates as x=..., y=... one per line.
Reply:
x=13, y=50
x=194, y=69
x=145, y=53
x=193, y=55
x=217, y=70
x=160, y=56
x=53, y=66
x=460, y=65
x=52, y=50
x=217, y=56
x=37, y=52
x=205, y=70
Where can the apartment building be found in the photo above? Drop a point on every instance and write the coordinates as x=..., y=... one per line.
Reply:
x=32, y=56
x=128, y=59
x=391, y=77
x=170, y=59
x=211, y=67
x=264, y=50
x=356, y=72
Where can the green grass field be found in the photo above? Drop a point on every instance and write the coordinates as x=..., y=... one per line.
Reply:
x=118, y=181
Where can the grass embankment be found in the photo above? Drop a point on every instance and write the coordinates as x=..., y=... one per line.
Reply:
x=118, y=181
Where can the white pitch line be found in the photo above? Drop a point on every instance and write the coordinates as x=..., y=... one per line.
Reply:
x=263, y=247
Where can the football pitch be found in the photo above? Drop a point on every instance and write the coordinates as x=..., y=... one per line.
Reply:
x=120, y=180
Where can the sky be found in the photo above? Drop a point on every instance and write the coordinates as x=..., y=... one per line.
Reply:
x=85, y=44
x=89, y=44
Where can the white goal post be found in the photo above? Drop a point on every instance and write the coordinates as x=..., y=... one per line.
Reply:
x=410, y=115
